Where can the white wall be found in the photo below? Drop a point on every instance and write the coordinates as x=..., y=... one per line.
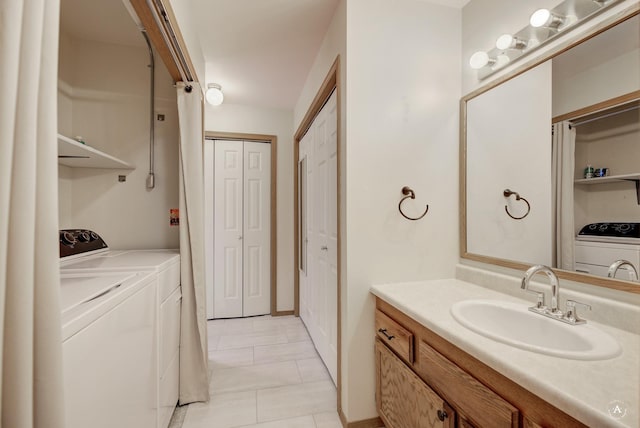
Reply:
x=599, y=69
x=105, y=98
x=510, y=148
x=253, y=120
x=401, y=84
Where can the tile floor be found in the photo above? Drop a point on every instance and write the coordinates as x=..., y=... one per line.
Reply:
x=264, y=373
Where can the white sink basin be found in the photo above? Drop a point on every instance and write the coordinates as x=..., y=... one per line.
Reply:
x=515, y=325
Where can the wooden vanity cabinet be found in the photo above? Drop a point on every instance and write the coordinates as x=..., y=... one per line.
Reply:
x=418, y=374
x=403, y=399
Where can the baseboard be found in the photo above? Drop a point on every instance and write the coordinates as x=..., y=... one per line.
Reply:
x=281, y=313
x=366, y=423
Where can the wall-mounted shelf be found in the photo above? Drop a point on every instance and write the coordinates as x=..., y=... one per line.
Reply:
x=635, y=177
x=76, y=155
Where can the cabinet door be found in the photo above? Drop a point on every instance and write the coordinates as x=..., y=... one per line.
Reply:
x=403, y=399
x=480, y=406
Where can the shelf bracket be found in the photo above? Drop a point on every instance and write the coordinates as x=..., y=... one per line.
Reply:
x=637, y=181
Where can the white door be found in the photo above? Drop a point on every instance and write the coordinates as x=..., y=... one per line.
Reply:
x=257, y=233
x=228, y=229
x=242, y=258
x=319, y=293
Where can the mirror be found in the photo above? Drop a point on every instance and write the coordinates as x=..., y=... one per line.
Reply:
x=531, y=146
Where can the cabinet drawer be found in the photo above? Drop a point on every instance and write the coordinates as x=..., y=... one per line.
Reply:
x=395, y=336
x=474, y=401
x=403, y=399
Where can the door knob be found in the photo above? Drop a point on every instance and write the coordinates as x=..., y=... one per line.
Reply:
x=240, y=238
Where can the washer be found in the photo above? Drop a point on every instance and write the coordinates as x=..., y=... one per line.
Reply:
x=108, y=340
x=84, y=252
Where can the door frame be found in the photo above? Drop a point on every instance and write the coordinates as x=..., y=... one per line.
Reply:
x=273, y=140
x=331, y=82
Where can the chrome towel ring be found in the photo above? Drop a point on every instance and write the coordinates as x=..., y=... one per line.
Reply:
x=406, y=190
x=508, y=193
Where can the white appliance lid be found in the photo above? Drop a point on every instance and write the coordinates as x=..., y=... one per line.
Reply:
x=114, y=260
x=83, y=288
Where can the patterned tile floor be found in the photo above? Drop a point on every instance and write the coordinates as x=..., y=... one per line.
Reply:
x=264, y=373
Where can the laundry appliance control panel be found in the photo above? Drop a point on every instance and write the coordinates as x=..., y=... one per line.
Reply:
x=79, y=241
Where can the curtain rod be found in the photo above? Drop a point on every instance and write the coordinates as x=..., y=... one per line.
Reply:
x=603, y=116
x=164, y=24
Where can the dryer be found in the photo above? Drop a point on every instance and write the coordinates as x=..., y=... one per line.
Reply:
x=598, y=245
x=83, y=252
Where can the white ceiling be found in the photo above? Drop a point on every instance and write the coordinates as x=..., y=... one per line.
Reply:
x=99, y=20
x=261, y=51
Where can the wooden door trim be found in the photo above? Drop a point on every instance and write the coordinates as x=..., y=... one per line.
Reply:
x=331, y=82
x=273, y=140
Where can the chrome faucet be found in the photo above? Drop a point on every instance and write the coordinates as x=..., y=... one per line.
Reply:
x=571, y=316
x=613, y=269
x=555, y=289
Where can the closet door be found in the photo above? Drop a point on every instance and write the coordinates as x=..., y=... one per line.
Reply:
x=257, y=222
x=228, y=229
x=242, y=229
x=319, y=297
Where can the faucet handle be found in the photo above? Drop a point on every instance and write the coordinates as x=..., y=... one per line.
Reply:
x=540, y=306
x=572, y=314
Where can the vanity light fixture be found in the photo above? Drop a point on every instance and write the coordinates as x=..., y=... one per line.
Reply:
x=545, y=18
x=507, y=41
x=480, y=59
x=501, y=61
x=544, y=26
x=214, y=94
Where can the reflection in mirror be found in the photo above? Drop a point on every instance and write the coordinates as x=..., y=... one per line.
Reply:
x=582, y=181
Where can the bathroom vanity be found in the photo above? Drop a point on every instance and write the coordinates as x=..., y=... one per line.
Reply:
x=433, y=372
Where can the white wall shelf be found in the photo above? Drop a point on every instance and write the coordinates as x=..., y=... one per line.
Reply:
x=635, y=177
x=77, y=155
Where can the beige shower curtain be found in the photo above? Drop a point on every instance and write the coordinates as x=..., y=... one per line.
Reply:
x=194, y=380
x=31, y=393
x=563, y=170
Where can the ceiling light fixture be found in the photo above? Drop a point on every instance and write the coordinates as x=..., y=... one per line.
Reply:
x=507, y=41
x=214, y=94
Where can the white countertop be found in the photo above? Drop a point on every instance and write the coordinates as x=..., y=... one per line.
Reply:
x=585, y=390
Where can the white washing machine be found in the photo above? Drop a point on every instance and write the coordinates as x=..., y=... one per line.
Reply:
x=598, y=245
x=84, y=252
x=108, y=337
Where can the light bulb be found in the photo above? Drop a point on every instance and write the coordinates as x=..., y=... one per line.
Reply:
x=214, y=94
x=479, y=60
x=501, y=61
x=539, y=18
x=504, y=41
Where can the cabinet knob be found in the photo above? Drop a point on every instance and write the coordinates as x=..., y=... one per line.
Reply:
x=387, y=335
x=442, y=415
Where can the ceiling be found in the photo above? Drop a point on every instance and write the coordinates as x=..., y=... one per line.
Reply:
x=260, y=51
x=99, y=20
x=621, y=39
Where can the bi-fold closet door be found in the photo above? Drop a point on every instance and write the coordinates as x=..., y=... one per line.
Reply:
x=242, y=256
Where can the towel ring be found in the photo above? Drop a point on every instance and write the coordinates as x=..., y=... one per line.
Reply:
x=406, y=190
x=508, y=193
